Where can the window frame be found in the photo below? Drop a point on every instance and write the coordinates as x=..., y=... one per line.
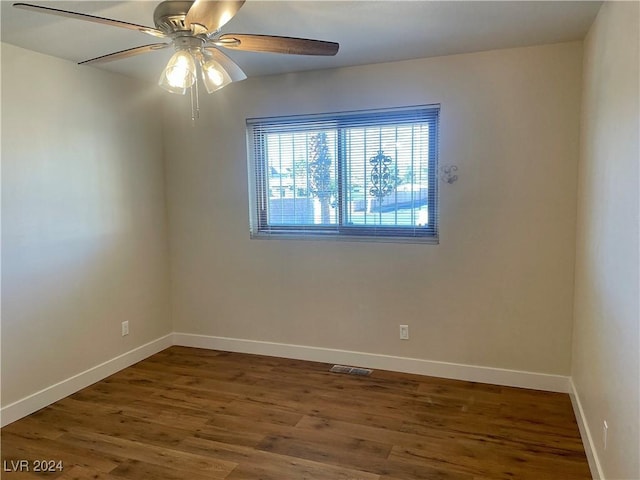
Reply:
x=257, y=128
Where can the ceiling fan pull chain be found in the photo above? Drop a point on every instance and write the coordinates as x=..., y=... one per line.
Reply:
x=197, y=95
x=195, y=104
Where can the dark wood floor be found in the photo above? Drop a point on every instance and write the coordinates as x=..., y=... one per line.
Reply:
x=196, y=414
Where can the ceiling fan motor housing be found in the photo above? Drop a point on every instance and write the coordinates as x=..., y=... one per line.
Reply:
x=169, y=16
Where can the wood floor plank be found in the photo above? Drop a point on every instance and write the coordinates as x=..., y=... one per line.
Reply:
x=84, y=473
x=18, y=475
x=177, y=396
x=15, y=447
x=171, y=458
x=32, y=428
x=115, y=424
x=352, y=453
x=394, y=437
x=255, y=464
x=240, y=430
x=259, y=413
x=136, y=469
x=481, y=458
x=191, y=414
x=326, y=446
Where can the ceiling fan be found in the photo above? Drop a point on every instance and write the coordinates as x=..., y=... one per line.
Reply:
x=193, y=28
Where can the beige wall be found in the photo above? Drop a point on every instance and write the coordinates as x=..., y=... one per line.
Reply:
x=498, y=289
x=83, y=220
x=606, y=362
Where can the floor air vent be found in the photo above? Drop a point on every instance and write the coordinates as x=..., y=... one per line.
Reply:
x=350, y=370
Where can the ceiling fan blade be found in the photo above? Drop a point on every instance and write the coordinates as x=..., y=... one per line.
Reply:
x=270, y=43
x=235, y=72
x=90, y=18
x=130, y=52
x=212, y=14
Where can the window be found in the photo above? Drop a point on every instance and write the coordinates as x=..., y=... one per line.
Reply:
x=368, y=175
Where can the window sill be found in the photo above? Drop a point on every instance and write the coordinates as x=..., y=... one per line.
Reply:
x=430, y=240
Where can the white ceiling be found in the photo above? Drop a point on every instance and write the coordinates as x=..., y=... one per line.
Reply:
x=368, y=31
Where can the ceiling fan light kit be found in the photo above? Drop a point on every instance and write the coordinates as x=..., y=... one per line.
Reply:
x=215, y=77
x=179, y=74
x=191, y=62
x=194, y=30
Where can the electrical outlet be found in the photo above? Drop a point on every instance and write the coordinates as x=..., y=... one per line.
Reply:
x=404, y=332
x=125, y=328
x=605, y=432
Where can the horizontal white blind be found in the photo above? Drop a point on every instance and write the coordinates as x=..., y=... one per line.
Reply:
x=363, y=174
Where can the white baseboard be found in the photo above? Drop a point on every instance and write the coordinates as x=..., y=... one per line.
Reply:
x=496, y=376
x=49, y=395
x=473, y=373
x=585, y=433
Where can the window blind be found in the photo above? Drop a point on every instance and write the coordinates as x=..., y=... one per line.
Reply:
x=350, y=174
